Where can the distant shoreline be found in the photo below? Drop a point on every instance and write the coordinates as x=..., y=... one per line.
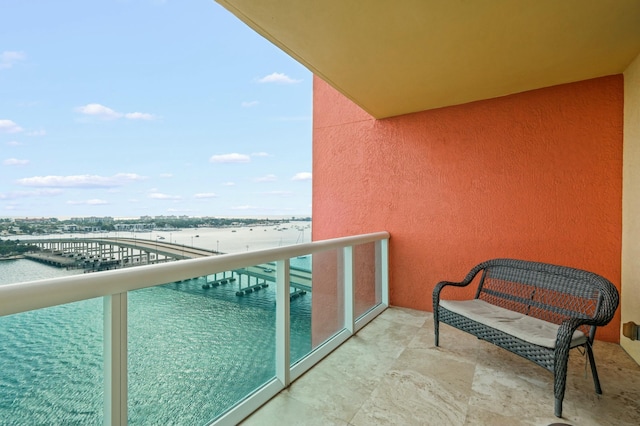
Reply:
x=14, y=257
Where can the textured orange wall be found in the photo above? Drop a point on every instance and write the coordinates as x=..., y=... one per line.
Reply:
x=535, y=175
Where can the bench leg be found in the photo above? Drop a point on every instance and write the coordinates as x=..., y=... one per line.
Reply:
x=436, y=326
x=558, y=407
x=560, y=377
x=560, y=383
x=594, y=371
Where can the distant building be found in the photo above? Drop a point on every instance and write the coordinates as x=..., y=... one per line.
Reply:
x=134, y=227
x=93, y=219
x=34, y=220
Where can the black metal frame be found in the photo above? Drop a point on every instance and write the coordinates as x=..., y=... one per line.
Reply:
x=572, y=298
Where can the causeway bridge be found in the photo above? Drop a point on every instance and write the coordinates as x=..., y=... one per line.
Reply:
x=99, y=254
x=129, y=251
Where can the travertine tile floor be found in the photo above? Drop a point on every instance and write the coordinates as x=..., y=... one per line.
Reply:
x=391, y=373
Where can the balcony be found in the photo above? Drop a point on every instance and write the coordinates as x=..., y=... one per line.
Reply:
x=152, y=344
x=390, y=373
x=365, y=364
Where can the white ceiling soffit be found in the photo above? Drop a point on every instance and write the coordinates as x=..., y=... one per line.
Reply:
x=398, y=57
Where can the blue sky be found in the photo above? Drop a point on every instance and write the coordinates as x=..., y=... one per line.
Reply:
x=146, y=107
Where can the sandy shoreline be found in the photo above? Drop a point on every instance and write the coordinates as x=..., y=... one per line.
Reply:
x=225, y=240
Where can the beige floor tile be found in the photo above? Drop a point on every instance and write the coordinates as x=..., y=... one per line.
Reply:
x=453, y=343
x=406, y=398
x=620, y=400
x=284, y=410
x=421, y=388
x=336, y=393
x=406, y=316
x=477, y=416
x=391, y=373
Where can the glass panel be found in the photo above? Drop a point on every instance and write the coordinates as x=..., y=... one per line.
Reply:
x=367, y=278
x=327, y=311
x=300, y=277
x=199, y=346
x=51, y=365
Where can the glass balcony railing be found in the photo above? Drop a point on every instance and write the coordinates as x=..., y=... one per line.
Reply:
x=202, y=341
x=51, y=365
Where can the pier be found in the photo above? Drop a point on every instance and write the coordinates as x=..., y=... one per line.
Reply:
x=52, y=259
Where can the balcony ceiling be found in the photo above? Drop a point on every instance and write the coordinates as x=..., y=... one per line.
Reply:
x=398, y=57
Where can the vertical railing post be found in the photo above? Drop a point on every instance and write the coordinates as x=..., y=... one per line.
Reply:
x=115, y=360
x=349, y=289
x=283, y=323
x=384, y=271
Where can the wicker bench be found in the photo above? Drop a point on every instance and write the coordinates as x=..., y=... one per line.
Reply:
x=535, y=310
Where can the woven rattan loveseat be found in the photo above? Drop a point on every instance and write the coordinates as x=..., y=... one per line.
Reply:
x=536, y=310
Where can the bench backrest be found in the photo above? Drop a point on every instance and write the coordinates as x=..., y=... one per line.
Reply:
x=548, y=292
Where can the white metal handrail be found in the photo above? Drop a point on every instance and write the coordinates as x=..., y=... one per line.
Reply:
x=114, y=286
x=31, y=295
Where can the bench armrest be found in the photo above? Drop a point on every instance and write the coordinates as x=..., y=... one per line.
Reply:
x=465, y=282
x=569, y=326
x=442, y=284
x=609, y=299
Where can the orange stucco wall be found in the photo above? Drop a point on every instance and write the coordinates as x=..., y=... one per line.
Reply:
x=535, y=175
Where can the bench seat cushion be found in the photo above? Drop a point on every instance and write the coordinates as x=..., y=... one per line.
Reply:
x=529, y=329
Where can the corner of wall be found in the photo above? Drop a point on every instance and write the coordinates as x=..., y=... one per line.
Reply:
x=630, y=293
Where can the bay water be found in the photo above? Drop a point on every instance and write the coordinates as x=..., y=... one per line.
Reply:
x=193, y=352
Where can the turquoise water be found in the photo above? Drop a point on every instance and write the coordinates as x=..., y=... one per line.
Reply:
x=193, y=353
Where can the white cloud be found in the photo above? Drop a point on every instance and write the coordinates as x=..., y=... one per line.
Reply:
x=139, y=116
x=229, y=184
x=99, y=111
x=105, y=113
x=80, y=181
x=14, y=143
x=9, y=59
x=15, y=162
x=245, y=207
x=166, y=175
x=279, y=78
x=260, y=154
x=182, y=210
x=206, y=195
x=302, y=176
x=92, y=202
x=9, y=126
x=161, y=196
x=249, y=104
x=267, y=178
x=230, y=158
